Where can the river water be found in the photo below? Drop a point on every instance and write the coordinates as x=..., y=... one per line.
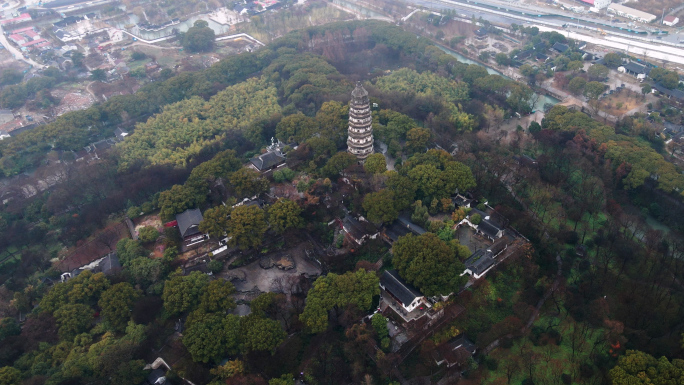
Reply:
x=543, y=99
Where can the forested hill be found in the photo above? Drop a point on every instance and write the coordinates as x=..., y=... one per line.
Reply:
x=590, y=291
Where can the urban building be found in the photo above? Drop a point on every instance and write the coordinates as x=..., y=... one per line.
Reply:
x=360, y=139
x=598, y=4
x=671, y=20
x=631, y=13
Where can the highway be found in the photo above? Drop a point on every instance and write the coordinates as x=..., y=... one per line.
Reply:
x=578, y=30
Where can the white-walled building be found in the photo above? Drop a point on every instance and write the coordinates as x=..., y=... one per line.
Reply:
x=631, y=13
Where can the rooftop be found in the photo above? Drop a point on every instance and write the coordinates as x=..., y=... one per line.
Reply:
x=267, y=160
x=402, y=290
x=479, y=262
x=188, y=221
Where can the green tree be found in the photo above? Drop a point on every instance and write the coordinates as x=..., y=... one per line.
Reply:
x=502, y=59
x=534, y=127
x=133, y=212
x=148, y=234
x=8, y=328
x=338, y=163
x=637, y=367
x=417, y=139
x=10, y=376
x=576, y=85
x=404, y=190
x=217, y=297
x=474, y=72
x=284, y=214
x=612, y=60
x=260, y=334
x=428, y=263
x=199, y=37
x=285, y=379
x=98, y=75
x=215, y=221
x=263, y=305
x=597, y=72
x=11, y=76
x=284, y=174
x=375, y=164
x=116, y=304
x=420, y=214
x=145, y=271
x=127, y=250
x=215, y=266
x=72, y=320
x=594, y=89
x=646, y=89
x=182, y=294
x=575, y=65
x=178, y=199
x=137, y=55
x=77, y=59
x=229, y=369
x=209, y=337
x=476, y=219
x=247, y=226
x=248, y=182
x=297, y=127
x=335, y=292
x=379, y=207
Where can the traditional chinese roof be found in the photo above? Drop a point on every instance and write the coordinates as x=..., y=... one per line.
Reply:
x=267, y=160
x=402, y=290
x=188, y=222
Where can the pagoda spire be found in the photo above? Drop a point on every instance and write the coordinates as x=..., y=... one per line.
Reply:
x=360, y=132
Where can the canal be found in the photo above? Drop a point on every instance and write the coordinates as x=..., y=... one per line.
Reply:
x=543, y=99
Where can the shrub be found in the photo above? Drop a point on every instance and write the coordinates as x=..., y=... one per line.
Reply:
x=215, y=266
x=476, y=219
x=148, y=234
x=133, y=212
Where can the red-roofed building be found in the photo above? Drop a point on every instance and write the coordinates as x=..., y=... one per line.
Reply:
x=671, y=20
x=33, y=42
x=19, y=19
x=17, y=39
x=20, y=30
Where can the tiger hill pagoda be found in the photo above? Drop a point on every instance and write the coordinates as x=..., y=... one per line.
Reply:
x=360, y=134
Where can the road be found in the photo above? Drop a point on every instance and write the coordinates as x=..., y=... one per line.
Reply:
x=17, y=54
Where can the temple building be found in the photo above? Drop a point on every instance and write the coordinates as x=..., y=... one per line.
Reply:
x=360, y=140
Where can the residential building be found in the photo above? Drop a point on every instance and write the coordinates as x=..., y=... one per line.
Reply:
x=483, y=260
x=455, y=352
x=671, y=20
x=267, y=162
x=560, y=47
x=598, y=4
x=360, y=133
x=631, y=13
x=358, y=230
x=637, y=70
x=402, y=292
x=188, y=224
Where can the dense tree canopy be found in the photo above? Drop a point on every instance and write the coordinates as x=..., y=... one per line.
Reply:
x=428, y=263
x=637, y=367
x=437, y=175
x=199, y=37
x=116, y=304
x=182, y=294
x=284, y=214
x=380, y=206
x=247, y=226
x=337, y=292
x=215, y=221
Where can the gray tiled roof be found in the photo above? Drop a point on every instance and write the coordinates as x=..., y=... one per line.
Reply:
x=188, y=222
x=267, y=160
x=402, y=290
x=479, y=262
